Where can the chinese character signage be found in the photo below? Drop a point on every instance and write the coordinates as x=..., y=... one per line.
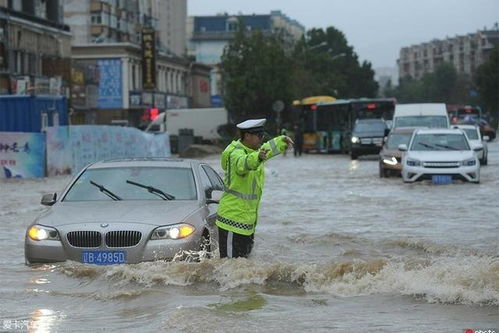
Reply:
x=110, y=84
x=22, y=155
x=135, y=99
x=160, y=100
x=149, y=59
x=59, y=154
x=69, y=149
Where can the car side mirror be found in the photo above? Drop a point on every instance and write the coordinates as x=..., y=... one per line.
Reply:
x=215, y=197
x=486, y=138
x=403, y=147
x=49, y=199
x=478, y=147
x=387, y=131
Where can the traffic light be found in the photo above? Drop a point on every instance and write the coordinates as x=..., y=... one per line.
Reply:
x=153, y=113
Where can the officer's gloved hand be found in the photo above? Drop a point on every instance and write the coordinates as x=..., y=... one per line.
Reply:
x=289, y=141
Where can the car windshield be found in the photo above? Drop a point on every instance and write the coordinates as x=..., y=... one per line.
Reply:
x=177, y=182
x=371, y=126
x=396, y=139
x=422, y=121
x=471, y=133
x=439, y=142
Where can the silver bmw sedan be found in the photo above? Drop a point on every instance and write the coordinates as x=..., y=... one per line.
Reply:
x=128, y=211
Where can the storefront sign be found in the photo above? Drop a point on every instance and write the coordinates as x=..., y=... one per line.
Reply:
x=149, y=59
x=110, y=84
x=160, y=100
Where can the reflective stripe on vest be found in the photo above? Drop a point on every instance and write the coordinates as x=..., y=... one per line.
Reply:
x=242, y=195
x=235, y=224
x=274, y=148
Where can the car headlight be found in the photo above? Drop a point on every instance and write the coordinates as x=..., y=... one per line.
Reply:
x=40, y=232
x=411, y=162
x=469, y=162
x=390, y=160
x=175, y=231
x=355, y=139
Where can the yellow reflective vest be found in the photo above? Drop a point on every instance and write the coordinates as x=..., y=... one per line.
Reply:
x=244, y=179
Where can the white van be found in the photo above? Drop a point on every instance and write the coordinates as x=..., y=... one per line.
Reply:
x=204, y=122
x=433, y=115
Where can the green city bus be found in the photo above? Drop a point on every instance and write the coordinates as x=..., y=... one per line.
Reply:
x=328, y=126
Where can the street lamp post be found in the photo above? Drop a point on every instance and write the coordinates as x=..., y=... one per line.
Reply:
x=339, y=55
x=321, y=44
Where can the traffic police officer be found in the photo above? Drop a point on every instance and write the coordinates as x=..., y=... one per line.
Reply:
x=242, y=162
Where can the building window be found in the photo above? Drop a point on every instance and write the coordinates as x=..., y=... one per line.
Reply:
x=134, y=78
x=232, y=24
x=96, y=19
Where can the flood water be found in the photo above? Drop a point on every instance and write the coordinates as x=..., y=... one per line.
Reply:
x=337, y=249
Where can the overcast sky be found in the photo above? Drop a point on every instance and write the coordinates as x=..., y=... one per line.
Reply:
x=377, y=29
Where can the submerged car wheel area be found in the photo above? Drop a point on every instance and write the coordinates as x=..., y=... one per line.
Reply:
x=128, y=211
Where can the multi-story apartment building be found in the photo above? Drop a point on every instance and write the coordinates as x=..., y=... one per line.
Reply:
x=35, y=48
x=208, y=36
x=127, y=60
x=171, y=27
x=466, y=53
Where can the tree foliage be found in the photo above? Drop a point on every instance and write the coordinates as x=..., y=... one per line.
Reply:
x=487, y=81
x=329, y=66
x=444, y=85
x=259, y=69
x=255, y=71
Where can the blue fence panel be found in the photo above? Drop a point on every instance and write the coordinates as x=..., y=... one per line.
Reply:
x=24, y=113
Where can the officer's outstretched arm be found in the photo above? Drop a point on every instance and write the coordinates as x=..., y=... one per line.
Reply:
x=275, y=146
x=247, y=162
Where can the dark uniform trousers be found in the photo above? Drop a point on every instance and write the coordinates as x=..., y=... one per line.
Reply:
x=234, y=245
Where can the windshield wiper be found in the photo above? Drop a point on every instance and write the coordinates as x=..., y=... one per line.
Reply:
x=446, y=147
x=426, y=145
x=106, y=191
x=153, y=190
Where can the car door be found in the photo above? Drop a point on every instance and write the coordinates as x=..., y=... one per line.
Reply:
x=212, y=180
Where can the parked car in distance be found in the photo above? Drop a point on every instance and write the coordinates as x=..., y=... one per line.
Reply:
x=440, y=155
x=390, y=156
x=128, y=211
x=486, y=129
x=432, y=115
x=475, y=140
x=367, y=137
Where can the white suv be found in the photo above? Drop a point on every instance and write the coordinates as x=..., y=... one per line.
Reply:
x=440, y=155
x=475, y=139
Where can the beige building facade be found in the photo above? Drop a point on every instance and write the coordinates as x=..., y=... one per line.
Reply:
x=35, y=48
x=466, y=53
x=172, y=26
x=128, y=61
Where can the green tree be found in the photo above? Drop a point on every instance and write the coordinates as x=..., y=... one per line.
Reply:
x=255, y=70
x=443, y=85
x=487, y=82
x=329, y=66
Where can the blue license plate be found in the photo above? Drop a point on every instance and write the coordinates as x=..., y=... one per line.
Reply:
x=441, y=179
x=103, y=257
